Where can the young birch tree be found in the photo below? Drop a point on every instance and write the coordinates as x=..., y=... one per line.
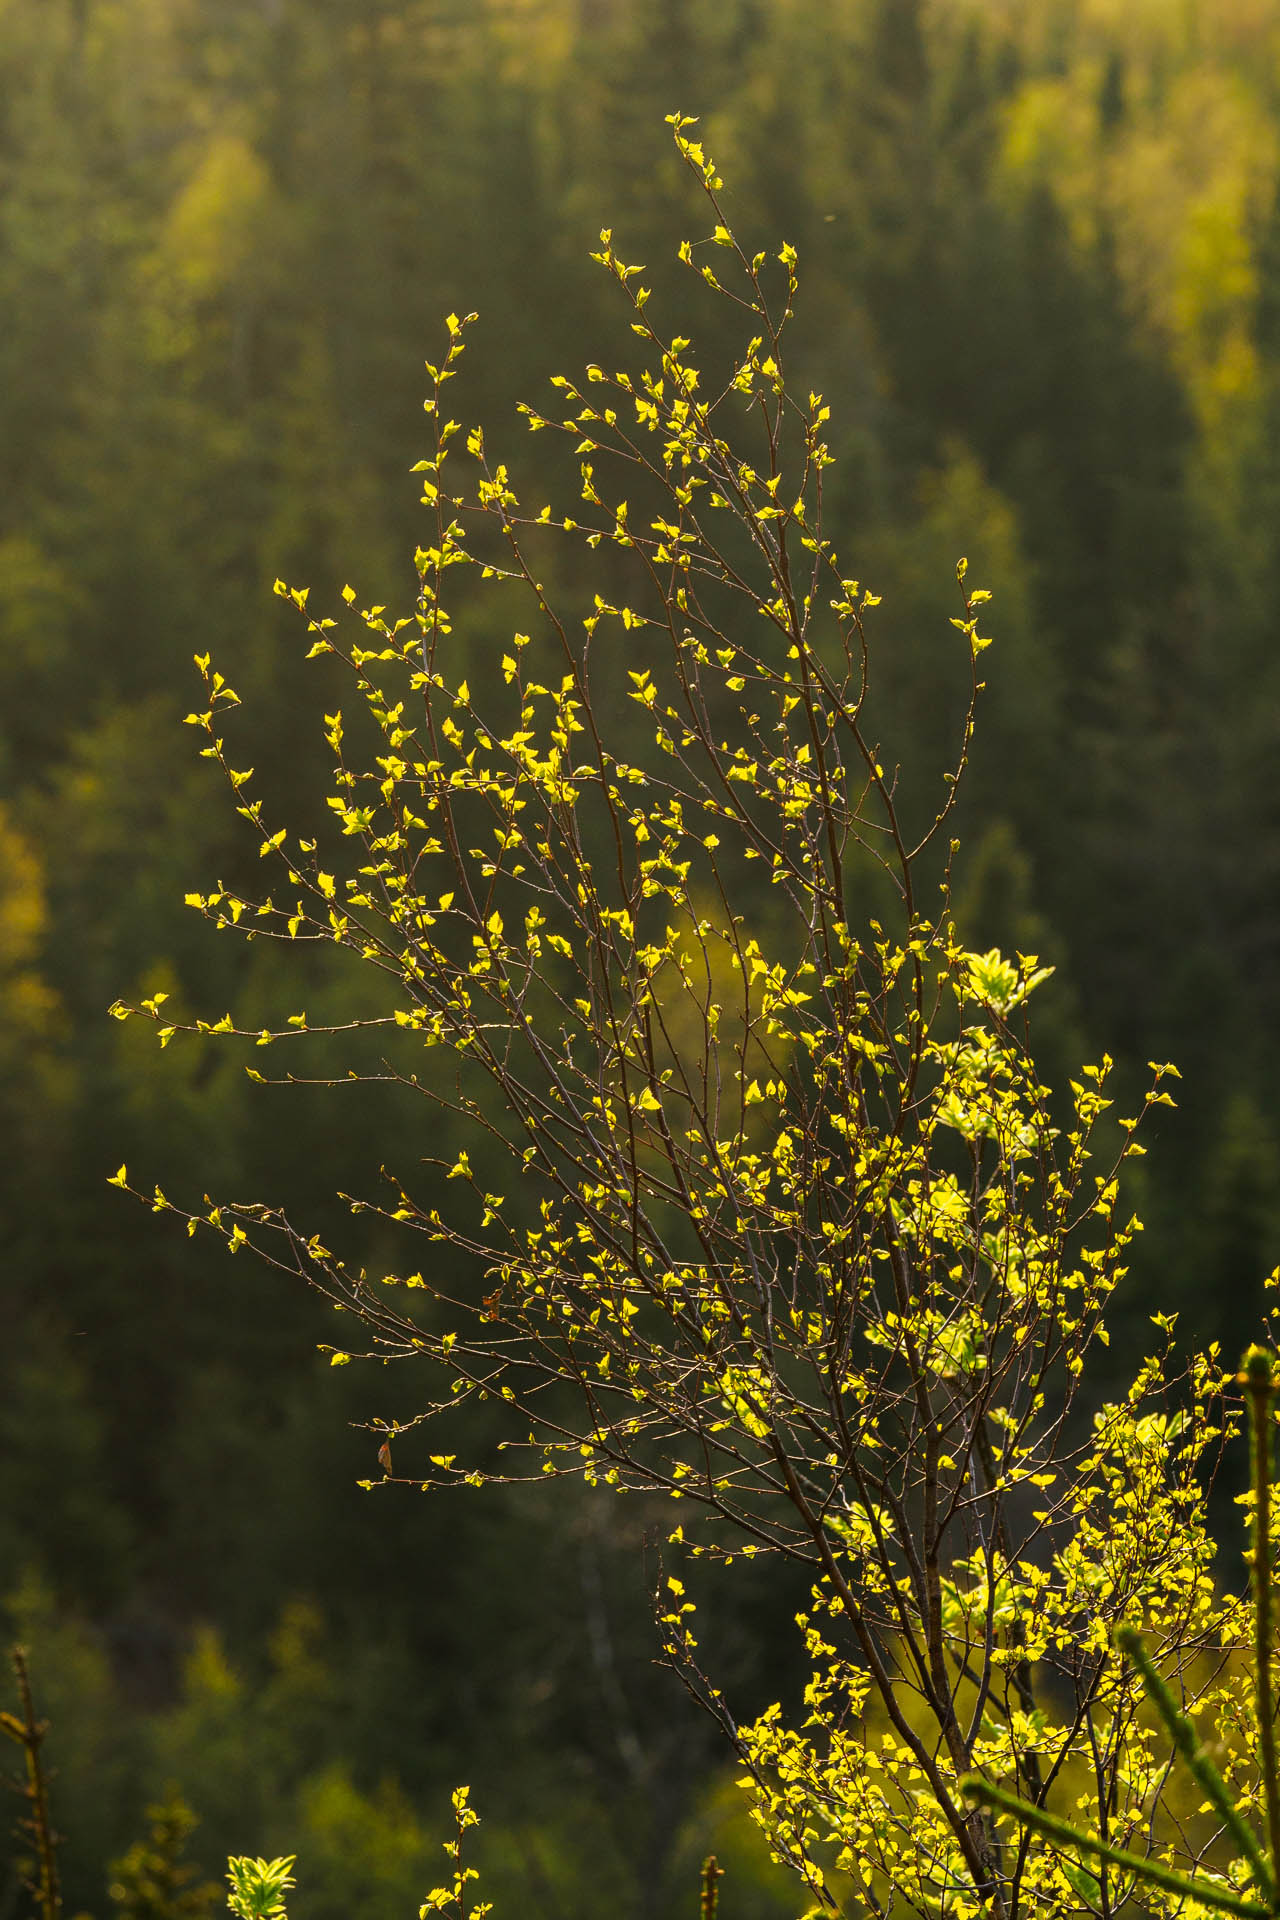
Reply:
x=790, y=1232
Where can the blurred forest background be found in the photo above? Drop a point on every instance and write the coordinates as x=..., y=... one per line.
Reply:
x=1040, y=286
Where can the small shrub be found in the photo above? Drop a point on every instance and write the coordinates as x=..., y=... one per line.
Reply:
x=755, y=1199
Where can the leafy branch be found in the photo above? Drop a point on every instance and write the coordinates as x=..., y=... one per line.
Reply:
x=1252, y=1860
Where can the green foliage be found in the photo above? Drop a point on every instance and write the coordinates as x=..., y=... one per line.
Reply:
x=454, y=1898
x=152, y=1881
x=1253, y=1865
x=258, y=1887
x=369, y=1849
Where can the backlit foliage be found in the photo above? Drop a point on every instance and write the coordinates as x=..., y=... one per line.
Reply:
x=776, y=1220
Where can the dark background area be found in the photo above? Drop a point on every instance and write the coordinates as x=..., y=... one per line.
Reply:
x=1040, y=287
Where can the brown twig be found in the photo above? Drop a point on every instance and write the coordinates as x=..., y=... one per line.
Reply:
x=35, y=1824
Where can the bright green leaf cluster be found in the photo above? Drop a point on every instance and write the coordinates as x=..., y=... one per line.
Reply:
x=258, y=1887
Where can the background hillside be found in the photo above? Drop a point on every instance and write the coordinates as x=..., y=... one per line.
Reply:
x=1040, y=287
